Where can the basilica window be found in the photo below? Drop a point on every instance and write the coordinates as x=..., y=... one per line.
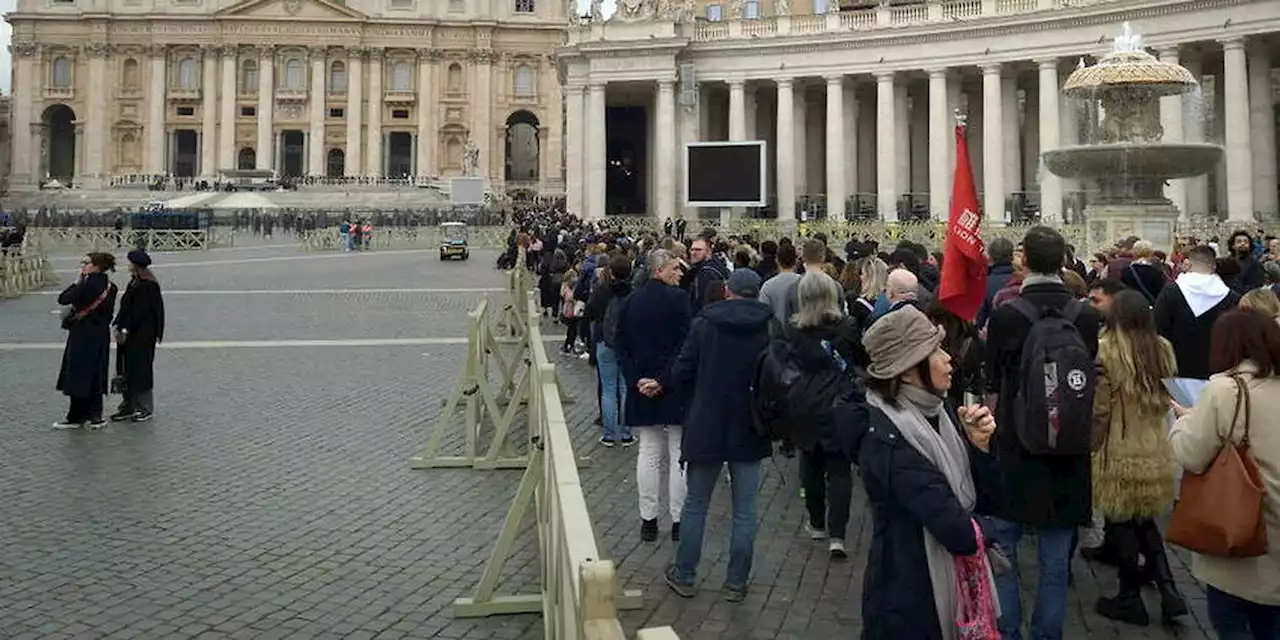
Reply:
x=524, y=6
x=751, y=9
x=129, y=74
x=455, y=78
x=715, y=12
x=293, y=78
x=525, y=85
x=249, y=76
x=60, y=73
x=188, y=74
x=337, y=77
x=401, y=76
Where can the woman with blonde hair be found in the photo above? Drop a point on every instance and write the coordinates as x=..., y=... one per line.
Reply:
x=1133, y=467
x=873, y=279
x=1264, y=300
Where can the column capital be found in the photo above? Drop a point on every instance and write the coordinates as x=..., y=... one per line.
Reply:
x=1168, y=52
x=666, y=84
x=736, y=83
x=598, y=85
x=230, y=52
x=430, y=54
x=577, y=89
x=884, y=76
x=158, y=51
x=787, y=82
x=23, y=49
x=1047, y=63
x=1232, y=43
x=992, y=69
x=938, y=72
x=834, y=79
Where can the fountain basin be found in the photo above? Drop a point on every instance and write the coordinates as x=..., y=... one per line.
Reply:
x=1168, y=161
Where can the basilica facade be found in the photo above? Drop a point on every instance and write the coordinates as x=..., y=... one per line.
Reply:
x=413, y=89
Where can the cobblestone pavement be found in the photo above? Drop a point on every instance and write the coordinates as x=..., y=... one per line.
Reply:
x=271, y=496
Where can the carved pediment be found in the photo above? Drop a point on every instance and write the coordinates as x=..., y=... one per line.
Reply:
x=295, y=9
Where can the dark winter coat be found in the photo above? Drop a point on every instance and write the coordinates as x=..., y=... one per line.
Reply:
x=142, y=316
x=652, y=326
x=998, y=276
x=700, y=279
x=598, y=304
x=806, y=347
x=86, y=360
x=1189, y=333
x=1145, y=279
x=717, y=366
x=908, y=494
x=1039, y=490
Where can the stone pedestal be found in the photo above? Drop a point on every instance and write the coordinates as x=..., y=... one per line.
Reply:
x=1107, y=223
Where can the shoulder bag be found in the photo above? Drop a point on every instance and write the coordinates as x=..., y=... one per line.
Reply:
x=72, y=318
x=1219, y=512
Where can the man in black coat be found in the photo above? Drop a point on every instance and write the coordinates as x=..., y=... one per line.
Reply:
x=1051, y=495
x=717, y=364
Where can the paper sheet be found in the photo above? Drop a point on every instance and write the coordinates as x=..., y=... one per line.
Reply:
x=1185, y=391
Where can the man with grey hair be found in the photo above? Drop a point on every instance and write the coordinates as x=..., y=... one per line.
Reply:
x=902, y=289
x=652, y=325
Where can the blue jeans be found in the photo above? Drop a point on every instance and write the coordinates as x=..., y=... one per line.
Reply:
x=701, y=480
x=1235, y=618
x=613, y=394
x=1053, y=546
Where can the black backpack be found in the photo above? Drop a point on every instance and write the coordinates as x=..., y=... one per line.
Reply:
x=609, y=324
x=785, y=394
x=1053, y=404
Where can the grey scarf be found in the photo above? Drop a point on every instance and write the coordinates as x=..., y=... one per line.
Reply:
x=945, y=449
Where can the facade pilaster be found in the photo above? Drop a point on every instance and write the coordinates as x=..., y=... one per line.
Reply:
x=1050, y=138
x=156, y=98
x=550, y=92
x=373, y=135
x=595, y=156
x=481, y=129
x=428, y=59
x=941, y=139
x=95, y=144
x=22, y=108
x=737, y=110
x=786, y=171
x=227, y=110
x=1235, y=85
x=1262, y=125
x=266, y=150
x=574, y=150
x=836, y=194
x=668, y=162
x=993, y=143
x=209, y=112
x=352, y=166
x=317, y=102
x=886, y=147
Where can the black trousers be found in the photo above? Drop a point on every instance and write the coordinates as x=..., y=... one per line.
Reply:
x=85, y=409
x=828, y=489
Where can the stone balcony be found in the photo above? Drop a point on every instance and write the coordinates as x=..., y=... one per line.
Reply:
x=59, y=93
x=399, y=97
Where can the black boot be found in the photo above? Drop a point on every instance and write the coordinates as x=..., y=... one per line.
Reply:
x=1172, y=605
x=1127, y=606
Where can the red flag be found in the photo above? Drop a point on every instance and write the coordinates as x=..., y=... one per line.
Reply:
x=964, y=260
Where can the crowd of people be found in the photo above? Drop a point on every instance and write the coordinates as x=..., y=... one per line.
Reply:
x=1048, y=414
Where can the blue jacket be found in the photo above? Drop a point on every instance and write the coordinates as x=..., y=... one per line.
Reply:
x=998, y=276
x=652, y=326
x=582, y=288
x=717, y=365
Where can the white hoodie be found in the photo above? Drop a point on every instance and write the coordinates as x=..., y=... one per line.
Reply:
x=1203, y=291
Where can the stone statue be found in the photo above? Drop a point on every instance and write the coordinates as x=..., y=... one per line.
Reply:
x=633, y=10
x=834, y=7
x=736, y=10
x=668, y=10
x=782, y=7
x=470, y=158
x=597, y=10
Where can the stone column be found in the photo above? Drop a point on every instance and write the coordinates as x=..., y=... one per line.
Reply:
x=596, y=153
x=668, y=161
x=919, y=137
x=266, y=150
x=851, y=138
x=886, y=147
x=96, y=125
x=1239, y=154
x=373, y=134
x=574, y=150
x=317, y=101
x=551, y=135
x=1171, y=124
x=800, y=129
x=690, y=120
x=836, y=194
x=355, y=114
x=481, y=129
x=902, y=141
x=1012, y=135
x=428, y=59
x=1193, y=118
x=737, y=110
x=156, y=99
x=941, y=139
x=209, y=113
x=786, y=171
x=22, y=108
x=227, y=110
x=1262, y=124
x=1050, y=121
x=993, y=143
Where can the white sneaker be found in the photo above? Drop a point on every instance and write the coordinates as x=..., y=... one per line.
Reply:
x=836, y=547
x=62, y=424
x=815, y=534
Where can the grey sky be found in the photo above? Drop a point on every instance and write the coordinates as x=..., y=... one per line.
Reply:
x=5, y=62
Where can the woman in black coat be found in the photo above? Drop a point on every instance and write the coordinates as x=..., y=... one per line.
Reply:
x=87, y=356
x=139, y=326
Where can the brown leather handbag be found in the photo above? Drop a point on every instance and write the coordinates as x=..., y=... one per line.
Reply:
x=1219, y=512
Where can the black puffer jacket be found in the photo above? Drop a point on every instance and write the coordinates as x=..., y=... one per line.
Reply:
x=810, y=354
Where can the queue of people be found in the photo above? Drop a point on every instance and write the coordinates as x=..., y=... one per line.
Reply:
x=1048, y=414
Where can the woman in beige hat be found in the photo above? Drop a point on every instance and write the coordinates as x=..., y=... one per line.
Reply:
x=925, y=469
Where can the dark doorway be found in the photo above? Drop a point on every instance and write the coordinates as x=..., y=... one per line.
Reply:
x=60, y=142
x=186, y=153
x=292, y=150
x=246, y=159
x=399, y=154
x=335, y=163
x=626, y=153
x=523, y=147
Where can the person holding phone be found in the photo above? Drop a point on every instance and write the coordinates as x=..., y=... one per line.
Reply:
x=86, y=359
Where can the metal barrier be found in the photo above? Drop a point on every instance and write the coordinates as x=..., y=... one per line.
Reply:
x=20, y=274
x=48, y=239
x=404, y=238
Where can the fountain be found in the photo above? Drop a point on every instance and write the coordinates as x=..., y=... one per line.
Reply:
x=1124, y=161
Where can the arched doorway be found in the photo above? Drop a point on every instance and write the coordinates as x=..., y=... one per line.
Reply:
x=59, y=141
x=523, y=147
x=246, y=159
x=336, y=163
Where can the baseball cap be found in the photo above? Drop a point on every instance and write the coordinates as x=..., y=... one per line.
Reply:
x=744, y=283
